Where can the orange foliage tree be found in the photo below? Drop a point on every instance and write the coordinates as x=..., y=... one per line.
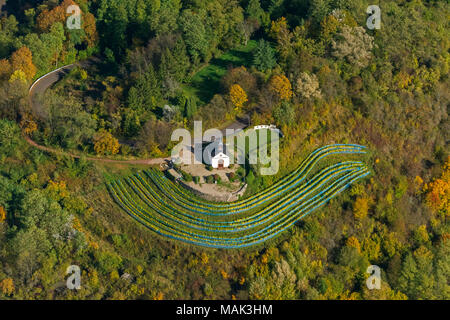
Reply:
x=281, y=86
x=48, y=17
x=90, y=29
x=105, y=143
x=22, y=59
x=438, y=191
x=59, y=14
x=2, y=214
x=238, y=96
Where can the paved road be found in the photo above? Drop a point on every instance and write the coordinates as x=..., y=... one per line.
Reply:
x=45, y=82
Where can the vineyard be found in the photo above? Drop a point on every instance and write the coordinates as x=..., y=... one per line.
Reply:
x=168, y=209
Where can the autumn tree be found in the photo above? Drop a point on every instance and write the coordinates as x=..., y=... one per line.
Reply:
x=90, y=29
x=438, y=191
x=361, y=208
x=279, y=31
x=22, y=59
x=48, y=17
x=277, y=27
x=28, y=125
x=7, y=286
x=242, y=77
x=238, y=96
x=105, y=143
x=281, y=86
x=2, y=214
x=5, y=69
x=354, y=45
x=307, y=86
x=18, y=75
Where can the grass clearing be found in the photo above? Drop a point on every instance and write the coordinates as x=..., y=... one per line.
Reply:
x=206, y=82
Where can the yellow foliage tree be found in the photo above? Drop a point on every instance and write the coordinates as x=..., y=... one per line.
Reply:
x=18, y=75
x=278, y=27
x=361, y=208
x=28, y=124
x=354, y=243
x=105, y=143
x=159, y=296
x=57, y=190
x=438, y=191
x=22, y=59
x=421, y=234
x=114, y=275
x=7, y=286
x=224, y=274
x=281, y=86
x=2, y=214
x=205, y=258
x=238, y=96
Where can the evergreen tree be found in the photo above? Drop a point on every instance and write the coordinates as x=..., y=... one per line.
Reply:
x=264, y=56
x=146, y=93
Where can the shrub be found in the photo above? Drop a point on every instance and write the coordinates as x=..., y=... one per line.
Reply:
x=105, y=143
x=187, y=177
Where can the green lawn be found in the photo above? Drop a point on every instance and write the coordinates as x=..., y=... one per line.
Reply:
x=206, y=82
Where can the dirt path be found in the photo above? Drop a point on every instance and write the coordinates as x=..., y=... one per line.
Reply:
x=154, y=161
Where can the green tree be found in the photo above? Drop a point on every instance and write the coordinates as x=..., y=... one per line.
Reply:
x=255, y=12
x=264, y=56
x=194, y=34
x=8, y=30
x=145, y=94
x=10, y=137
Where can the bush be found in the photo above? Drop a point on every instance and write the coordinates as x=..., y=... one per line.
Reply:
x=196, y=180
x=209, y=179
x=187, y=177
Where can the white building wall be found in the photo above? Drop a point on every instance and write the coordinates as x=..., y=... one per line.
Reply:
x=223, y=157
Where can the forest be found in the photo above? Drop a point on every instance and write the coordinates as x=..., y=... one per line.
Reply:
x=142, y=68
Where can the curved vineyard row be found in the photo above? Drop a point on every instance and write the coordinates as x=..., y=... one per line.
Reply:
x=168, y=209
